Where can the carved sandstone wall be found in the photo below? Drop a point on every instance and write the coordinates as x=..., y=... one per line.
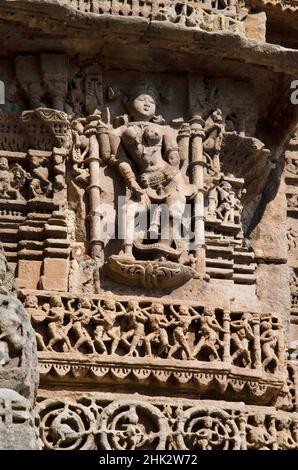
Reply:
x=148, y=211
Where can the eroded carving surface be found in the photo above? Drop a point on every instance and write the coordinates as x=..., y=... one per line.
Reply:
x=148, y=224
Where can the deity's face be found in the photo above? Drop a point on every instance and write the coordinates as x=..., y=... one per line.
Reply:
x=208, y=312
x=259, y=420
x=56, y=301
x=226, y=186
x=85, y=303
x=109, y=305
x=183, y=310
x=207, y=422
x=78, y=126
x=246, y=316
x=143, y=107
x=4, y=164
x=157, y=309
x=217, y=115
x=31, y=301
x=131, y=306
x=265, y=325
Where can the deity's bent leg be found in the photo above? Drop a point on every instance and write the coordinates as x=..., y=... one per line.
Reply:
x=147, y=342
x=130, y=211
x=173, y=350
x=100, y=347
x=176, y=206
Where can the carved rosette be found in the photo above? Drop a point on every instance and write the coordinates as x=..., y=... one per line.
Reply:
x=133, y=426
x=98, y=422
x=67, y=427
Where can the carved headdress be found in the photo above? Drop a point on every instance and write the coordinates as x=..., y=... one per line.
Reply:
x=144, y=88
x=141, y=88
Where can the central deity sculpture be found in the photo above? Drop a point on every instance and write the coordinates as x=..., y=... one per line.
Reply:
x=148, y=158
x=153, y=159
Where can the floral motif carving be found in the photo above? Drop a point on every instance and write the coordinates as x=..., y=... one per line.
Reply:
x=128, y=424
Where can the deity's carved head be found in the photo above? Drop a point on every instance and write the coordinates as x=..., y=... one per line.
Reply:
x=78, y=125
x=85, y=303
x=184, y=310
x=31, y=301
x=207, y=422
x=259, y=419
x=132, y=305
x=11, y=326
x=157, y=308
x=209, y=312
x=265, y=324
x=4, y=164
x=217, y=115
x=247, y=316
x=56, y=301
x=284, y=424
x=142, y=102
x=109, y=305
x=226, y=186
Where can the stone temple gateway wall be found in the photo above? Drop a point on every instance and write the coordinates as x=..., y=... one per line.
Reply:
x=148, y=221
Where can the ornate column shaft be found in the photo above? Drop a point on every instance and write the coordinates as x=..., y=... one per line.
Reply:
x=96, y=242
x=197, y=171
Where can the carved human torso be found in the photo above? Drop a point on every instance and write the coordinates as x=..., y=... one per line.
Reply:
x=147, y=145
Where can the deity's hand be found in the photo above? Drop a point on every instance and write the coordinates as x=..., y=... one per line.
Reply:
x=146, y=180
x=174, y=158
x=191, y=190
x=136, y=189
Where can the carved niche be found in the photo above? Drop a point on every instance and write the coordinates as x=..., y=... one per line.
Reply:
x=182, y=188
x=151, y=185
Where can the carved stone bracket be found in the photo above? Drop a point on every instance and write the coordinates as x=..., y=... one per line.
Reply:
x=149, y=274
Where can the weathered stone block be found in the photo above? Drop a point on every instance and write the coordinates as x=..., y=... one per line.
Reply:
x=255, y=26
x=28, y=274
x=55, y=274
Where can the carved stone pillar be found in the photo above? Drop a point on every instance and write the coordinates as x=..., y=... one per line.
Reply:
x=227, y=336
x=197, y=169
x=93, y=190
